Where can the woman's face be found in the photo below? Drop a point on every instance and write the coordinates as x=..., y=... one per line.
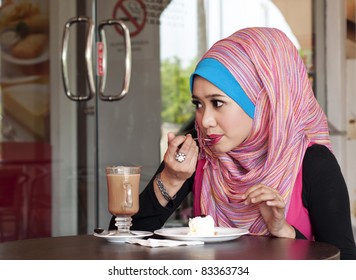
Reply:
x=219, y=117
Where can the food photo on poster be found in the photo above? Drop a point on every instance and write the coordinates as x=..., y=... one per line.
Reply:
x=24, y=39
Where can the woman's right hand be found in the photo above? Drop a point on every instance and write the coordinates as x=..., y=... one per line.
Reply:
x=175, y=173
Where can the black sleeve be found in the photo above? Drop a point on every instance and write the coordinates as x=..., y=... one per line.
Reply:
x=152, y=215
x=325, y=195
x=298, y=234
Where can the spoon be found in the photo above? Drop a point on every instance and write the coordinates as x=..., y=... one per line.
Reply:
x=98, y=230
x=204, y=139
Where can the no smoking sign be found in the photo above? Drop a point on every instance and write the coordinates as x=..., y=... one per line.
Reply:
x=133, y=13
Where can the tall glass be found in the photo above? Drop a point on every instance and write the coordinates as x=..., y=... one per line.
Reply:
x=123, y=194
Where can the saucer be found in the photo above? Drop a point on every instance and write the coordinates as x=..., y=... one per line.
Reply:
x=113, y=236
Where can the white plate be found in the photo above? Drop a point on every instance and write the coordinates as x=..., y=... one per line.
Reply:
x=221, y=234
x=112, y=237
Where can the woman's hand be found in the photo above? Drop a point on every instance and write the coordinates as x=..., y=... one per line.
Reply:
x=272, y=209
x=175, y=173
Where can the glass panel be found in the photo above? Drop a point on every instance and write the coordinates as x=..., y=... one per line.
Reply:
x=129, y=129
x=73, y=127
x=38, y=151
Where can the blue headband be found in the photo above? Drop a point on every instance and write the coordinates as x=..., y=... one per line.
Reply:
x=216, y=73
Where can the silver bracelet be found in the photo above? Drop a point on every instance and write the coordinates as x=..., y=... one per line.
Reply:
x=163, y=190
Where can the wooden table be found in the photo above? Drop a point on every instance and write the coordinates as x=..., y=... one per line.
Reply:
x=88, y=247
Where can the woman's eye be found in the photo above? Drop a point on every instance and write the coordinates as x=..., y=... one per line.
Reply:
x=217, y=103
x=197, y=104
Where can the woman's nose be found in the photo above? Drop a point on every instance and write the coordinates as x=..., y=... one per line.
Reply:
x=208, y=119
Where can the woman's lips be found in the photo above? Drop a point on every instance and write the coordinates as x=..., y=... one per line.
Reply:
x=214, y=138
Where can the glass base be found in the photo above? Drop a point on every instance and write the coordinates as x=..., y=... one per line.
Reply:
x=123, y=224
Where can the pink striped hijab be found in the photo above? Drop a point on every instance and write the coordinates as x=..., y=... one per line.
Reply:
x=286, y=119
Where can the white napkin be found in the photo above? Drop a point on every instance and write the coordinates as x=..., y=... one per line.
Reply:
x=151, y=242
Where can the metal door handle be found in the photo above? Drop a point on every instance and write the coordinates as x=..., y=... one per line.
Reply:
x=88, y=58
x=127, y=76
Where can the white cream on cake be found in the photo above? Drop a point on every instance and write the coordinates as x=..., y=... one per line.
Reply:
x=201, y=226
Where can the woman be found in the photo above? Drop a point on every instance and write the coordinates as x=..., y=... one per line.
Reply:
x=265, y=161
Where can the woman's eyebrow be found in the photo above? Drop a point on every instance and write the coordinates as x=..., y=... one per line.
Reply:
x=212, y=95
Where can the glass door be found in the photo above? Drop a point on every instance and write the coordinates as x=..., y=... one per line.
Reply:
x=67, y=110
x=92, y=59
x=117, y=122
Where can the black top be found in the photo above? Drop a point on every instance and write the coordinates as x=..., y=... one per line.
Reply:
x=324, y=194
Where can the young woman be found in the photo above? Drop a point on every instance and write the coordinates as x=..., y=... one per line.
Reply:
x=265, y=162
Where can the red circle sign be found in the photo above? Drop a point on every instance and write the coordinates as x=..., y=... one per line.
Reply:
x=133, y=13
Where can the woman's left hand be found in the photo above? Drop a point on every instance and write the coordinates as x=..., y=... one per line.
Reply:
x=272, y=208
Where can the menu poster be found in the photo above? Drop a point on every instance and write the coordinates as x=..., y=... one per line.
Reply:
x=24, y=71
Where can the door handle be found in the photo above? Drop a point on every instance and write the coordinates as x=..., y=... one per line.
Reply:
x=88, y=58
x=128, y=59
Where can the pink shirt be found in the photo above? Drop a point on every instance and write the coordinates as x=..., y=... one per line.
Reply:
x=298, y=215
